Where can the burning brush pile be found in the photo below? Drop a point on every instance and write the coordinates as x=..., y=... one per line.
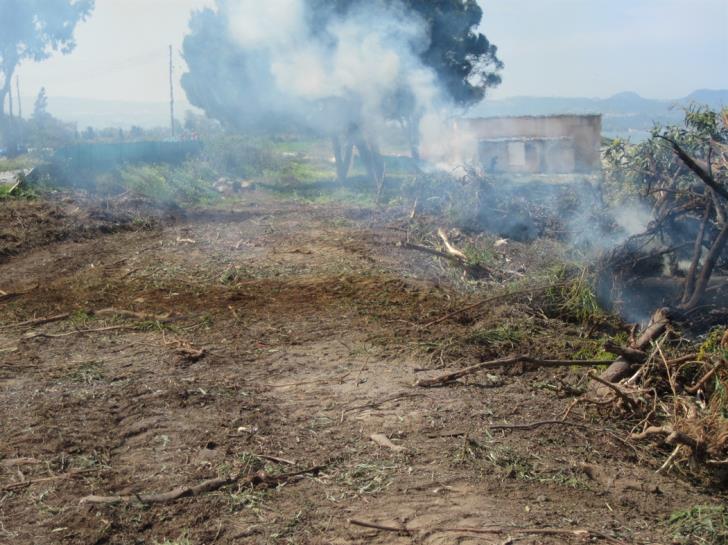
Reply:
x=654, y=243
x=676, y=394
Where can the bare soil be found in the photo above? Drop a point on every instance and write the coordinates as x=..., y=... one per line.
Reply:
x=310, y=319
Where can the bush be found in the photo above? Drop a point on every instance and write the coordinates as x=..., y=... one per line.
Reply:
x=240, y=157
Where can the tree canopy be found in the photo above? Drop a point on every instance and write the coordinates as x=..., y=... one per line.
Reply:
x=33, y=30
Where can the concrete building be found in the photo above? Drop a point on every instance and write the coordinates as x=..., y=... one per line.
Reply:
x=559, y=144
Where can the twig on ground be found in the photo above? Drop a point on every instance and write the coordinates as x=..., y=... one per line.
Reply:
x=616, y=389
x=577, y=532
x=698, y=385
x=38, y=321
x=375, y=526
x=670, y=459
x=34, y=335
x=143, y=316
x=276, y=459
x=374, y=404
x=257, y=479
x=450, y=377
x=451, y=250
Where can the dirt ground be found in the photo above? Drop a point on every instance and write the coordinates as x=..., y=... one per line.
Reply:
x=279, y=336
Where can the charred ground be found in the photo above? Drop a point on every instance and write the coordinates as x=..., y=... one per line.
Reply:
x=269, y=331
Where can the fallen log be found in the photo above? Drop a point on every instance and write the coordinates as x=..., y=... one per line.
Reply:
x=534, y=362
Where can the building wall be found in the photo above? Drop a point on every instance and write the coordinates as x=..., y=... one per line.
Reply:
x=584, y=132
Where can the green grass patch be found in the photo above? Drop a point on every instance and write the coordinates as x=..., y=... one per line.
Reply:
x=700, y=525
x=23, y=162
x=503, y=336
x=369, y=478
x=88, y=373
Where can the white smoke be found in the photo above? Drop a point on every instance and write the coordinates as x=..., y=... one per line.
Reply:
x=365, y=58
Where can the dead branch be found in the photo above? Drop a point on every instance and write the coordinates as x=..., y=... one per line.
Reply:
x=260, y=478
x=698, y=385
x=580, y=533
x=450, y=377
x=621, y=367
x=616, y=389
x=632, y=355
x=449, y=248
x=142, y=316
x=35, y=335
x=276, y=460
x=539, y=424
x=375, y=526
x=672, y=437
x=658, y=324
x=38, y=321
x=389, y=399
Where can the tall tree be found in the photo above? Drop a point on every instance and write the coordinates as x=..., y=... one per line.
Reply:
x=33, y=30
x=40, y=108
x=227, y=81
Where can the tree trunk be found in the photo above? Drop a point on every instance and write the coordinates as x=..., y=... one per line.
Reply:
x=710, y=260
x=697, y=254
x=412, y=127
x=343, y=155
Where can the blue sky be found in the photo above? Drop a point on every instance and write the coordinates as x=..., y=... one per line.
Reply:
x=658, y=48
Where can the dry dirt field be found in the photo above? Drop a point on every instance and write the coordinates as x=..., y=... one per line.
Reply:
x=266, y=338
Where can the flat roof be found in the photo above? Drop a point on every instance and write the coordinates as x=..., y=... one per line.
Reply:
x=526, y=139
x=554, y=116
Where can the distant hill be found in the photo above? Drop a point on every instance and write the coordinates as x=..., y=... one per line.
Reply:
x=625, y=114
x=110, y=113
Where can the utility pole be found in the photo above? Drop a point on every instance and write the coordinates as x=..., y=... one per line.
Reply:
x=171, y=91
x=12, y=138
x=17, y=96
x=10, y=103
x=19, y=132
